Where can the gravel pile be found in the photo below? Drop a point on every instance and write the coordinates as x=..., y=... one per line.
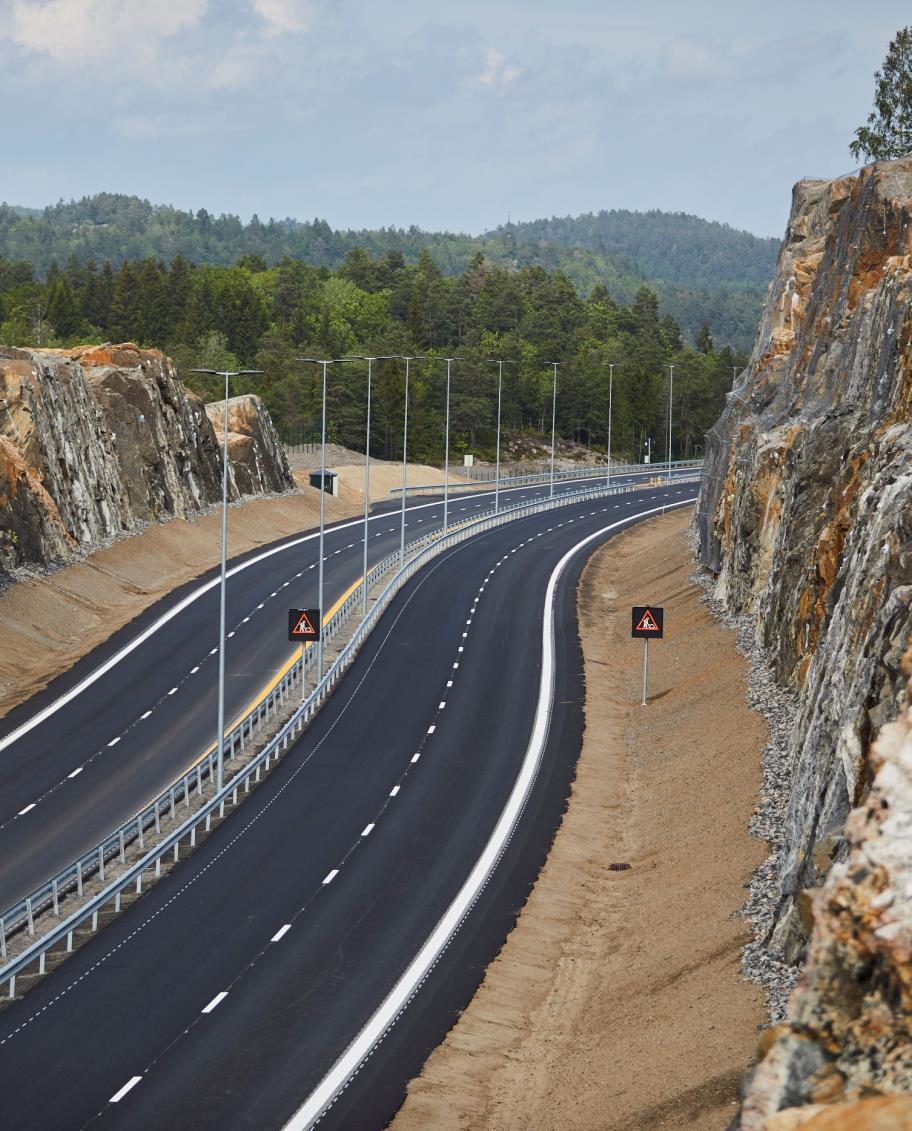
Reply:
x=780, y=711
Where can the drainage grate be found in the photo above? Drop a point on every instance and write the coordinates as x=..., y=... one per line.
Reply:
x=618, y=867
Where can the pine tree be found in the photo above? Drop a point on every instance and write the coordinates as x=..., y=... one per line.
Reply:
x=888, y=133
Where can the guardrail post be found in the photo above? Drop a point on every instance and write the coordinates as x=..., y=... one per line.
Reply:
x=12, y=987
x=173, y=814
x=56, y=903
x=123, y=855
x=79, y=878
x=199, y=781
x=101, y=873
x=69, y=945
x=2, y=938
x=158, y=827
x=94, y=921
x=139, y=831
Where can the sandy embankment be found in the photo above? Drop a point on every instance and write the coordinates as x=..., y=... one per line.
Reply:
x=616, y=1002
x=48, y=623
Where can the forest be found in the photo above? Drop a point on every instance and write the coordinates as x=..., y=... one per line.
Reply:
x=253, y=315
x=700, y=270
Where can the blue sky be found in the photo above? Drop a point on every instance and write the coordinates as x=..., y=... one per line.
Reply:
x=447, y=115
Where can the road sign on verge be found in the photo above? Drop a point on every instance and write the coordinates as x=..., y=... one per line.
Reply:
x=647, y=622
x=303, y=624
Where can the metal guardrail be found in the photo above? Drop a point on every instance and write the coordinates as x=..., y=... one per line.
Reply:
x=134, y=831
x=537, y=478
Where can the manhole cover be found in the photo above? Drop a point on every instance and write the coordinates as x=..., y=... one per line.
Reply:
x=618, y=867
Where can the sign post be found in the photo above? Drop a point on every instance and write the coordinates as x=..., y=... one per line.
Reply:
x=646, y=621
x=303, y=625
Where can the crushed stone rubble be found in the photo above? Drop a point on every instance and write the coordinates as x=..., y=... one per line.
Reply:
x=780, y=710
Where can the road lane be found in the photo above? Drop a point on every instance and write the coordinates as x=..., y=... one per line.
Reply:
x=131, y=1002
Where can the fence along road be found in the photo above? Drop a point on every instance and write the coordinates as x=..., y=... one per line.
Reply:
x=84, y=756
x=228, y=992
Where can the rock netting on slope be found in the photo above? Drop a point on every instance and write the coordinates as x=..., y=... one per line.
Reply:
x=805, y=520
x=849, y=1027
x=98, y=441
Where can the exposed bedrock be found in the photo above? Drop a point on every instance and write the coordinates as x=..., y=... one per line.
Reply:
x=98, y=441
x=805, y=519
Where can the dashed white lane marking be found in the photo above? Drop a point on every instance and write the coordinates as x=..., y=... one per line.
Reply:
x=131, y=1083
x=193, y=671
x=461, y=649
x=285, y=584
x=442, y=705
x=22, y=812
x=330, y=876
x=264, y=603
x=449, y=683
x=456, y=665
x=416, y=756
x=281, y=933
x=368, y=829
x=394, y=791
x=216, y=1001
x=246, y=619
x=173, y=691
x=114, y=741
x=431, y=729
x=230, y=634
x=78, y=770
x=274, y=593
x=145, y=715
x=213, y=651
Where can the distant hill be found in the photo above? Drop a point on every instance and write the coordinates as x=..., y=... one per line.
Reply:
x=702, y=271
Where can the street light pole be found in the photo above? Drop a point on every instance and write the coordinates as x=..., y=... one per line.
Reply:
x=367, y=443
x=671, y=375
x=497, y=458
x=553, y=420
x=220, y=766
x=325, y=363
x=404, y=465
x=446, y=453
x=610, y=398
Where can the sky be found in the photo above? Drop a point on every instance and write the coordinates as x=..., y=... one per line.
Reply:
x=451, y=116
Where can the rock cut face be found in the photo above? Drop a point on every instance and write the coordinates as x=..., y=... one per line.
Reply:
x=805, y=517
x=95, y=442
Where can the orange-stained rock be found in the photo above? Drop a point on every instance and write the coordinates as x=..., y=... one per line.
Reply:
x=882, y=1113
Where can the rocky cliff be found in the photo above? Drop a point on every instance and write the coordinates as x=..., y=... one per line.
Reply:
x=98, y=441
x=805, y=520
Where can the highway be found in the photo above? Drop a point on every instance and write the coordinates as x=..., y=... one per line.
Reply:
x=226, y=995
x=68, y=779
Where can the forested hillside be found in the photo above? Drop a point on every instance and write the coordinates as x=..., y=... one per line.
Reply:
x=266, y=317
x=701, y=271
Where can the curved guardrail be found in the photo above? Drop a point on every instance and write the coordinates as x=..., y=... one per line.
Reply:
x=485, y=477
x=134, y=831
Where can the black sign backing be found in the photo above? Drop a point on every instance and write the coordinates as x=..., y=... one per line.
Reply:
x=647, y=622
x=303, y=624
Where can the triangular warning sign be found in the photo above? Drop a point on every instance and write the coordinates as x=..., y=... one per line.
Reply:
x=647, y=623
x=303, y=626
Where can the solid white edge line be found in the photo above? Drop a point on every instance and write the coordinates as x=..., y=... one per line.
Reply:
x=131, y=1083
x=281, y=933
x=216, y=1001
x=335, y=1080
x=186, y=602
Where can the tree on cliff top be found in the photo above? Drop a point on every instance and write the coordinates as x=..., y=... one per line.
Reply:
x=888, y=133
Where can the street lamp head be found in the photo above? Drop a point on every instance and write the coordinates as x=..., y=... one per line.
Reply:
x=227, y=372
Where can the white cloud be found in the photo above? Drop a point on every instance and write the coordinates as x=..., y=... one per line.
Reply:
x=283, y=17
x=81, y=31
x=497, y=75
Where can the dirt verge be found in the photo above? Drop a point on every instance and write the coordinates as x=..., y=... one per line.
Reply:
x=616, y=1002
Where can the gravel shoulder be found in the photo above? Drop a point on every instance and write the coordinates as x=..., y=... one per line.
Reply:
x=617, y=1001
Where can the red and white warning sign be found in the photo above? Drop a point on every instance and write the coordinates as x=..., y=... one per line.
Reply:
x=647, y=622
x=303, y=624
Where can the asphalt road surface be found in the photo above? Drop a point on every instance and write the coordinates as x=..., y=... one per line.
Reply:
x=68, y=779
x=225, y=995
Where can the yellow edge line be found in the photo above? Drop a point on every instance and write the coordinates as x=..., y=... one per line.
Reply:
x=279, y=676
x=283, y=671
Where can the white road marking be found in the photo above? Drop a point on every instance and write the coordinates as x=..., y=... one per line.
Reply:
x=114, y=741
x=193, y=671
x=185, y=603
x=456, y=665
x=144, y=715
x=171, y=692
x=395, y=1001
x=216, y=1001
x=368, y=829
x=230, y=634
x=441, y=705
x=431, y=729
x=246, y=619
x=27, y=809
x=328, y=879
x=78, y=770
x=416, y=756
x=394, y=791
x=131, y=1083
x=449, y=683
x=281, y=933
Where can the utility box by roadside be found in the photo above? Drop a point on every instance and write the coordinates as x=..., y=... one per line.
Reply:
x=468, y=460
x=330, y=481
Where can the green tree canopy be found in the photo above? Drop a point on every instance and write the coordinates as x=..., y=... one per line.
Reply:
x=888, y=133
